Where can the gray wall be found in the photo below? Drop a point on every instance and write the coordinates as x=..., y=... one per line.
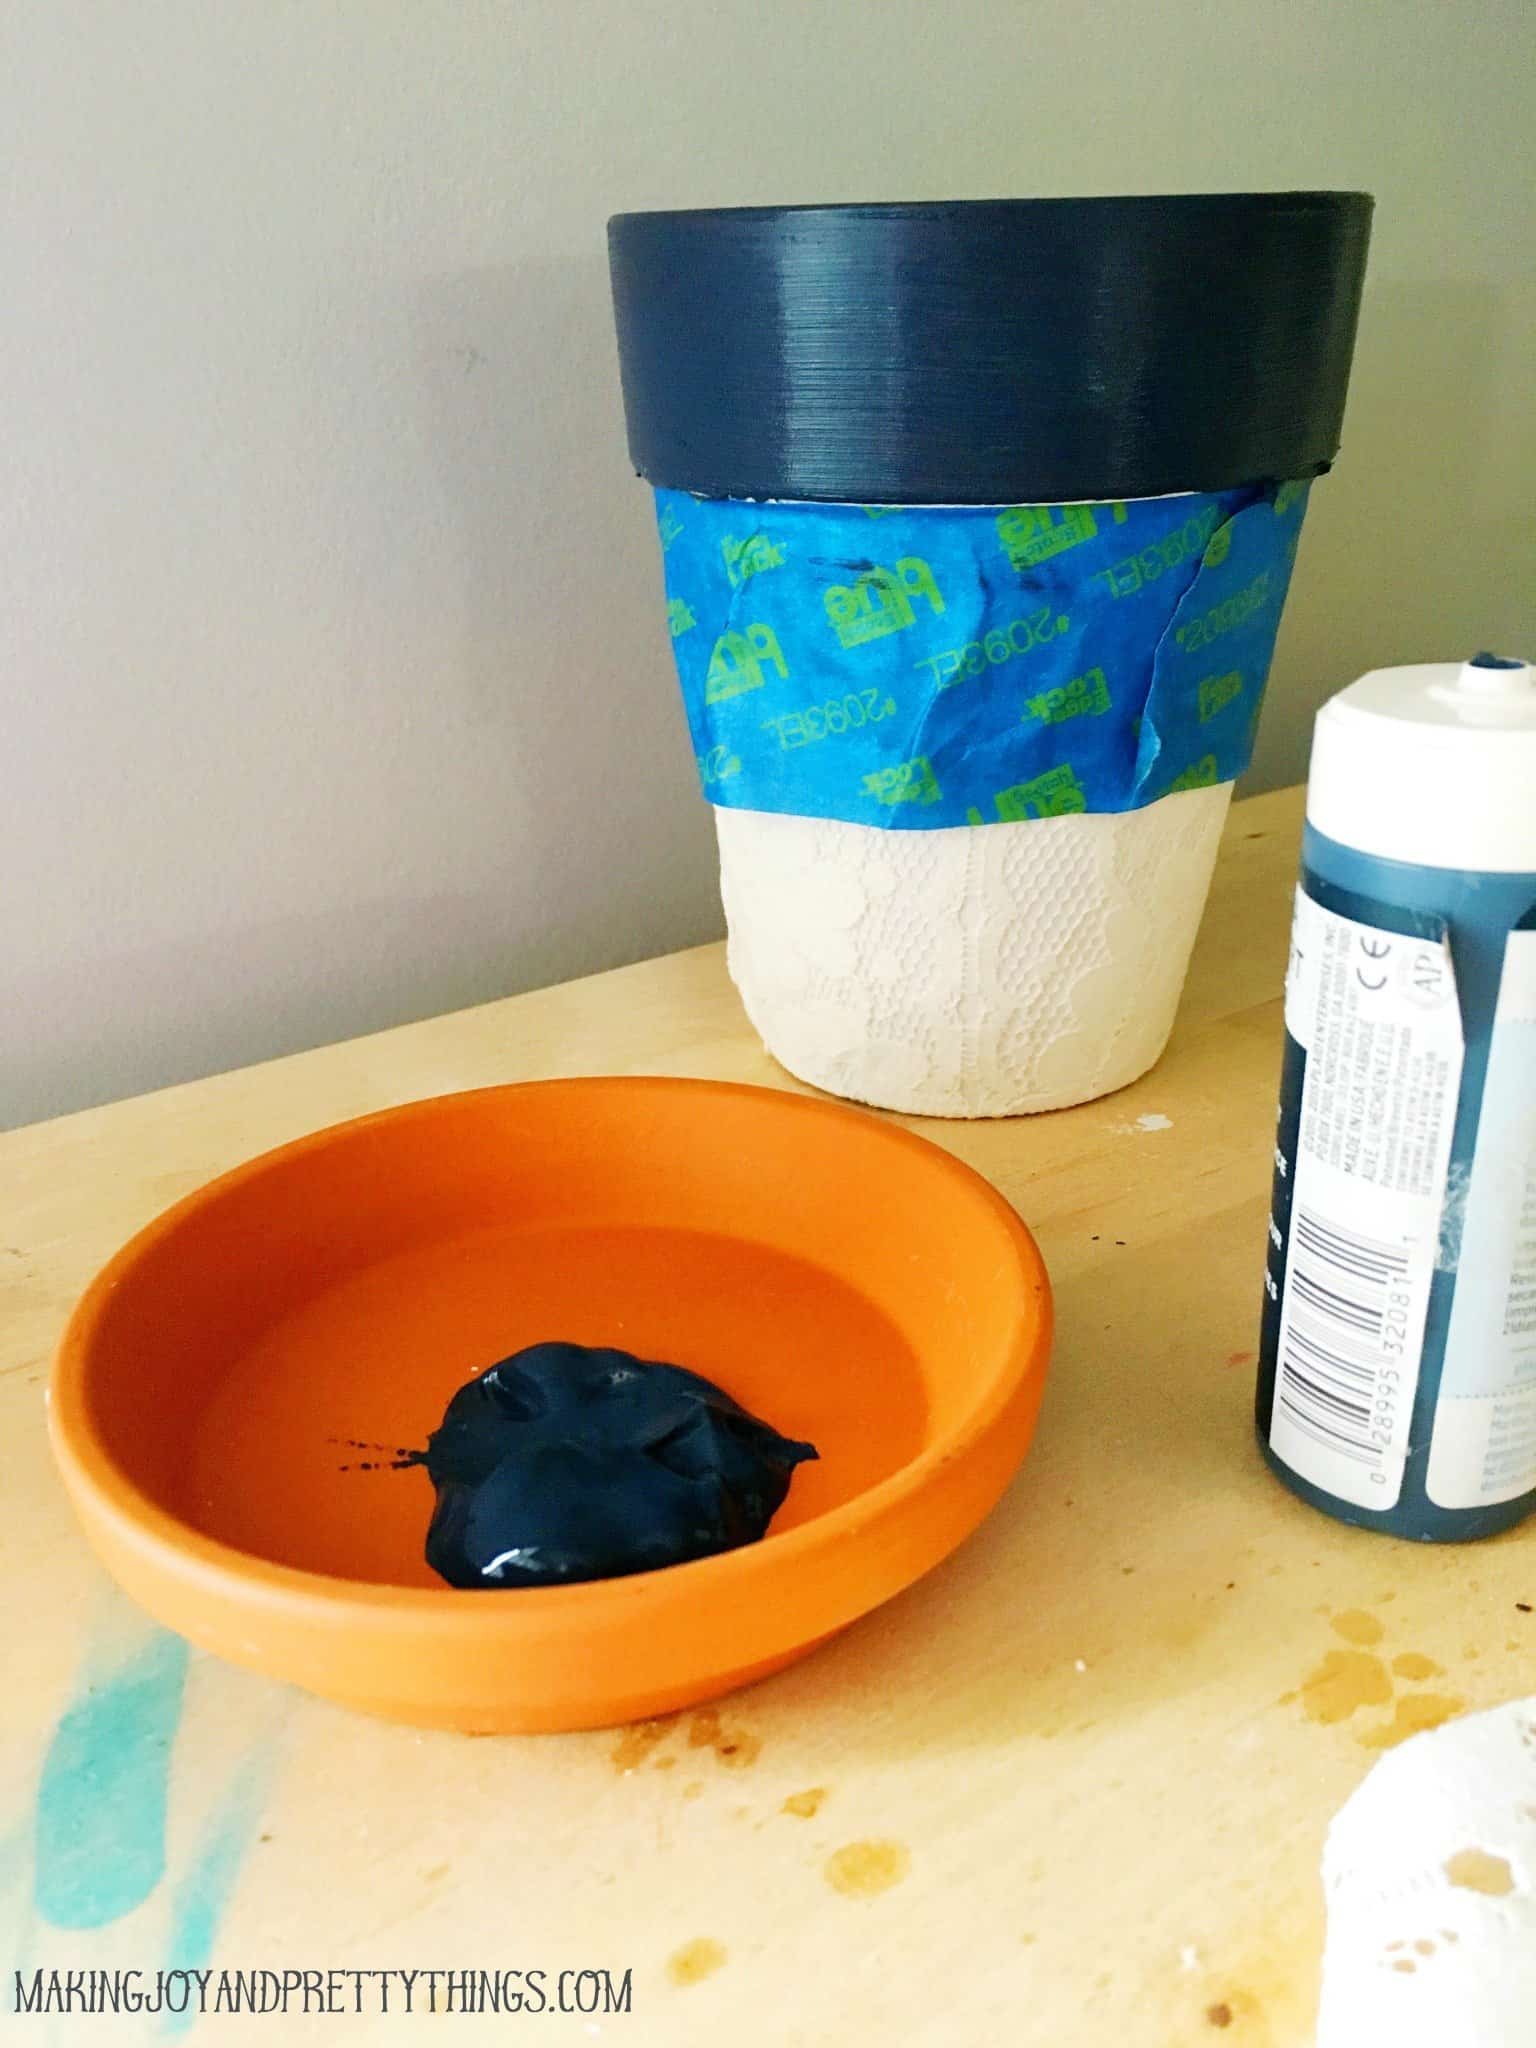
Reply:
x=335, y=690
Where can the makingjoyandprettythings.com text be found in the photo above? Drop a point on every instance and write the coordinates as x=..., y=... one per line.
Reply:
x=421, y=1991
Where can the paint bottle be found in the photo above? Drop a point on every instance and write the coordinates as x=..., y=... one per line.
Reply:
x=1397, y=1373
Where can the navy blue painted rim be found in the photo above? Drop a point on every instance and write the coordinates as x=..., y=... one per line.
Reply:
x=989, y=351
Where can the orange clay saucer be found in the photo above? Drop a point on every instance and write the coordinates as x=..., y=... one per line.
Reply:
x=220, y=1386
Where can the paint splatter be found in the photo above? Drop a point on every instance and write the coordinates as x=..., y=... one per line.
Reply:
x=862, y=1870
x=100, y=1841
x=1412, y=1664
x=1358, y=1627
x=1474, y=1870
x=635, y=1744
x=734, y=1747
x=695, y=1961
x=805, y=1805
x=201, y=1897
x=1345, y=1681
x=1412, y=1715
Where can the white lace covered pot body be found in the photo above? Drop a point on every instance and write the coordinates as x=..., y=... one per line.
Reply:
x=962, y=972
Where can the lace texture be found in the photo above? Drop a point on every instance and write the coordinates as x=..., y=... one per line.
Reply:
x=1430, y=1876
x=968, y=972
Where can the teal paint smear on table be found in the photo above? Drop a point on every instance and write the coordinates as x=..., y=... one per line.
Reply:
x=99, y=1845
x=204, y=1893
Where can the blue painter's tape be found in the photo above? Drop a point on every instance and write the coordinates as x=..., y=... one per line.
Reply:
x=922, y=666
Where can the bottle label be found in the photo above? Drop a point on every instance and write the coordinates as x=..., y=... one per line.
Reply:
x=1483, y=1449
x=1373, y=1072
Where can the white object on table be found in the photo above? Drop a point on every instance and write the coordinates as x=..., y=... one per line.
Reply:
x=1430, y=1874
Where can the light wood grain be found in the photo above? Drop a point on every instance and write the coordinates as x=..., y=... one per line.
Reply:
x=1078, y=1732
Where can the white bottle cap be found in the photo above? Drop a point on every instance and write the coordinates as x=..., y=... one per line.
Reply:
x=1435, y=765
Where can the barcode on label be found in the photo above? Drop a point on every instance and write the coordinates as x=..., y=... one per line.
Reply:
x=1342, y=1341
x=1375, y=1051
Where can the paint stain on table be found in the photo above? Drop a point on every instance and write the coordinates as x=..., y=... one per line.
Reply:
x=1412, y=1715
x=635, y=1744
x=1239, y=2013
x=695, y=1961
x=1342, y=1683
x=805, y=1805
x=862, y=1870
x=1231, y=2010
x=734, y=1747
x=200, y=1900
x=1250, y=1994
x=99, y=1830
x=1348, y=1680
x=1413, y=1664
x=101, y=1803
x=1358, y=1627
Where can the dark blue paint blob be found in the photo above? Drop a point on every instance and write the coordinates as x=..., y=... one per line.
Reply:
x=562, y=1464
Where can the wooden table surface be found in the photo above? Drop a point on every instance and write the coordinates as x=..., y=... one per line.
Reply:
x=1071, y=1789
